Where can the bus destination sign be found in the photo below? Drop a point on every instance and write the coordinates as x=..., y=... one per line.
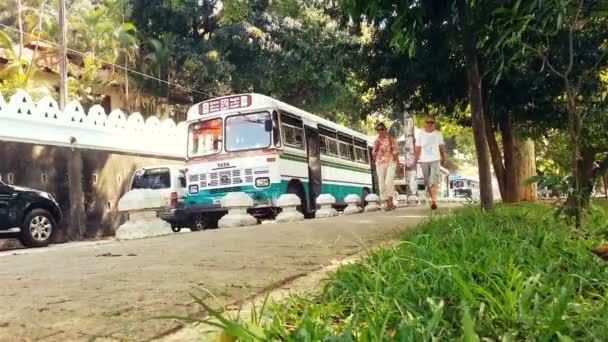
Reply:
x=225, y=103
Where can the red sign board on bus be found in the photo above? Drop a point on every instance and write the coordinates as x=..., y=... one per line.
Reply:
x=225, y=103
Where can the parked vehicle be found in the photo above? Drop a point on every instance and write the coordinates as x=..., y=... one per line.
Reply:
x=464, y=187
x=35, y=212
x=170, y=183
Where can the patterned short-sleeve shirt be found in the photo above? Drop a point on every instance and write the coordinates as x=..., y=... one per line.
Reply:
x=384, y=149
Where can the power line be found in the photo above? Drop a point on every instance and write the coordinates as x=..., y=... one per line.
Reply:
x=108, y=63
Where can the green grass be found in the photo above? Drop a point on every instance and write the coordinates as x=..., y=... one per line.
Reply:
x=511, y=274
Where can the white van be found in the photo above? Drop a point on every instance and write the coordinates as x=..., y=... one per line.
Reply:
x=168, y=180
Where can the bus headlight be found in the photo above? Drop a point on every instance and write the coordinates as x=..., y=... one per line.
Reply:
x=262, y=182
x=193, y=189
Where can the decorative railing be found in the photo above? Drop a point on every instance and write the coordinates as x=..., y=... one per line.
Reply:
x=44, y=123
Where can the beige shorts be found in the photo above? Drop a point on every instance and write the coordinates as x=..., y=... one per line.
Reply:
x=431, y=172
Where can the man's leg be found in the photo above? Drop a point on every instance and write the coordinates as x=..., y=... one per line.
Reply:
x=426, y=173
x=434, y=179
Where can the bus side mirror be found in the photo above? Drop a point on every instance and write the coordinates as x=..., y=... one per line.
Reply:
x=268, y=125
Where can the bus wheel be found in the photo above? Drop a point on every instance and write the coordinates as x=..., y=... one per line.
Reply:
x=295, y=187
x=364, y=194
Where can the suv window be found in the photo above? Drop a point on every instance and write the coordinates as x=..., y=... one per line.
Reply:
x=159, y=178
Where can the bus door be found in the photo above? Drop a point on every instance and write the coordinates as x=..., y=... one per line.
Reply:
x=315, y=178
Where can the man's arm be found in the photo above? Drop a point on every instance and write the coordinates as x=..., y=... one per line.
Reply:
x=417, y=153
x=443, y=150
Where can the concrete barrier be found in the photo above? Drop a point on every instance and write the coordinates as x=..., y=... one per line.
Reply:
x=325, y=201
x=413, y=200
x=401, y=201
x=237, y=204
x=288, y=204
x=141, y=206
x=372, y=203
x=352, y=202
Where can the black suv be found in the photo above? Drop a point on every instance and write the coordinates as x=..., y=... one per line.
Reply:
x=36, y=213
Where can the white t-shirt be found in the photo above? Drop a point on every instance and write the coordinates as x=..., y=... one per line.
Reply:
x=429, y=145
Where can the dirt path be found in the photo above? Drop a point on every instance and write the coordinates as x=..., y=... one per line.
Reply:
x=112, y=289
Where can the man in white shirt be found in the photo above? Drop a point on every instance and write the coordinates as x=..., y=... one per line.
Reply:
x=430, y=153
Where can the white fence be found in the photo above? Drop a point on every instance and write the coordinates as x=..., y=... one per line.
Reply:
x=22, y=120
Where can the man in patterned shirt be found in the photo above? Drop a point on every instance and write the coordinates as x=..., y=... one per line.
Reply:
x=385, y=155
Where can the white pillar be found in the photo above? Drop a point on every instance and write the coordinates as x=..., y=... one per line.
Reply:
x=325, y=201
x=352, y=202
x=372, y=203
x=141, y=205
x=288, y=204
x=237, y=204
x=401, y=201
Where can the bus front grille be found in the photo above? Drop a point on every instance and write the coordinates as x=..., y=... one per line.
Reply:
x=224, y=178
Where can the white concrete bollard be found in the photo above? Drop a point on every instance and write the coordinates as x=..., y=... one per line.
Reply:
x=401, y=201
x=325, y=201
x=141, y=204
x=352, y=202
x=413, y=200
x=237, y=204
x=288, y=204
x=372, y=203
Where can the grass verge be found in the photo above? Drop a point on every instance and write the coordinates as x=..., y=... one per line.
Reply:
x=510, y=274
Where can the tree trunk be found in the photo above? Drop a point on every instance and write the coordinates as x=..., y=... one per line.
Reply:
x=586, y=170
x=499, y=167
x=525, y=160
x=606, y=184
x=469, y=38
x=511, y=165
x=77, y=215
x=585, y=165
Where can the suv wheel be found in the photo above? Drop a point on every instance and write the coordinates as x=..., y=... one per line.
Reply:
x=37, y=229
x=198, y=223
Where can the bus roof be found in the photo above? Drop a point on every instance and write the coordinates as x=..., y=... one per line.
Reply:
x=264, y=102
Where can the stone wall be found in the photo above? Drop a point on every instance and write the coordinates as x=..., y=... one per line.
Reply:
x=44, y=148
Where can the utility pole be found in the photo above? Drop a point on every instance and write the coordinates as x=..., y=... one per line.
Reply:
x=63, y=57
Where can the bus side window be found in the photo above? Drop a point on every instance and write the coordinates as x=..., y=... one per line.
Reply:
x=292, y=131
x=345, y=144
x=328, y=141
x=361, y=155
x=276, y=132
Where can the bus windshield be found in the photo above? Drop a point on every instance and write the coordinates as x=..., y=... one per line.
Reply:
x=205, y=137
x=247, y=131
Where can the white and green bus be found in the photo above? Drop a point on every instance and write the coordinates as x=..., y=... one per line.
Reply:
x=261, y=146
